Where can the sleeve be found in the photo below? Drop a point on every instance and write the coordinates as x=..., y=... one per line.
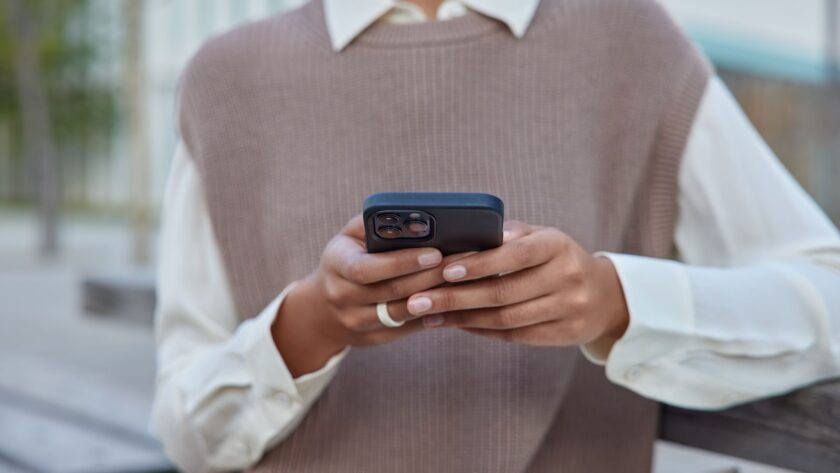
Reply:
x=223, y=393
x=753, y=309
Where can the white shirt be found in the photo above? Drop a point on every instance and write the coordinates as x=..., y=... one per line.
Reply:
x=752, y=310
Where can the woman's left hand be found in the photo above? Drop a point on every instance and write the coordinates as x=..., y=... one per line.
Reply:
x=548, y=291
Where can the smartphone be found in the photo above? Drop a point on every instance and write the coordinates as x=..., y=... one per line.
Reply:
x=453, y=222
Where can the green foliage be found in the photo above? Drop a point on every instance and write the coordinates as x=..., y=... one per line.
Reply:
x=7, y=76
x=80, y=107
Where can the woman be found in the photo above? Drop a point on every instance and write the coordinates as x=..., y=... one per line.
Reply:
x=601, y=128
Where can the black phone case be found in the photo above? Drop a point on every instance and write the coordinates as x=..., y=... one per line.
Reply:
x=460, y=221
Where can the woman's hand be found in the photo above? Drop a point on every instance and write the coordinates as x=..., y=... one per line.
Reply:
x=335, y=306
x=551, y=292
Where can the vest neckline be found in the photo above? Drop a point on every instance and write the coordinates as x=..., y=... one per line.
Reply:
x=406, y=35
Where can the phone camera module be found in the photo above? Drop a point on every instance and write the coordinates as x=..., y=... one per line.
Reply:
x=389, y=232
x=390, y=220
x=417, y=228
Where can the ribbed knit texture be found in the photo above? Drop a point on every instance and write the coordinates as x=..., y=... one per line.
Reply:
x=579, y=125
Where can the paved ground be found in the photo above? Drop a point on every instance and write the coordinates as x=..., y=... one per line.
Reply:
x=76, y=389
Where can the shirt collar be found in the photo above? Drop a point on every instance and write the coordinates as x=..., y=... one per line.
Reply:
x=346, y=19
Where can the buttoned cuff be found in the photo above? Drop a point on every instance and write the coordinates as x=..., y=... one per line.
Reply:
x=268, y=367
x=649, y=358
x=659, y=303
x=251, y=358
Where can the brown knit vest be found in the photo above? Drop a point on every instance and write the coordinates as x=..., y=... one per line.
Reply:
x=579, y=125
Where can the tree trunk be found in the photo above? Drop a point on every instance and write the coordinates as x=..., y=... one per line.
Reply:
x=38, y=146
x=138, y=133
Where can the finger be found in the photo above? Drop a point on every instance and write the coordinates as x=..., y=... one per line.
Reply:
x=365, y=318
x=514, y=229
x=505, y=290
x=548, y=334
x=517, y=254
x=398, y=311
x=404, y=286
x=385, y=335
x=531, y=312
x=344, y=293
x=350, y=261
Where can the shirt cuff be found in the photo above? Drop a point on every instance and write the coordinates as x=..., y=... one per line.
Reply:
x=648, y=358
x=659, y=302
x=268, y=367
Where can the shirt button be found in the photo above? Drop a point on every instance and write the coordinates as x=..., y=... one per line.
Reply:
x=285, y=399
x=633, y=373
x=242, y=448
x=451, y=9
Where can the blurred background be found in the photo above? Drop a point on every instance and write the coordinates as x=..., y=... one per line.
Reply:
x=86, y=134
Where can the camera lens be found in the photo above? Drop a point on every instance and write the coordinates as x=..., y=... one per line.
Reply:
x=417, y=228
x=388, y=232
x=388, y=219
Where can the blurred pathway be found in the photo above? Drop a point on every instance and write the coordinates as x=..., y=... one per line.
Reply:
x=75, y=389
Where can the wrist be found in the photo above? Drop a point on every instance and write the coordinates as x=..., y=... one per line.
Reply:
x=301, y=330
x=615, y=305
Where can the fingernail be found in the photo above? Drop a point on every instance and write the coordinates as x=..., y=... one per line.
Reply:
x=419, y=305
x=506, y=235
x=454, y=272
x=433, y=320
x=431, y=258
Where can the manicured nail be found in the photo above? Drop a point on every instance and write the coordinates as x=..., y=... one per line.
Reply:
x=419, y=305
x=454, y=272
x=435, y=320
x=506, y=235
x=432, y=258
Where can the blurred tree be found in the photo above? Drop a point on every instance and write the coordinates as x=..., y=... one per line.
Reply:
x=138, y=132
x=46, y=99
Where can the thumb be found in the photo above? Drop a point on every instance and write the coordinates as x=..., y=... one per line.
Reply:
x=355, y=228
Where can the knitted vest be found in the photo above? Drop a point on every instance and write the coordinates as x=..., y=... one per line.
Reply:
x=579, y=125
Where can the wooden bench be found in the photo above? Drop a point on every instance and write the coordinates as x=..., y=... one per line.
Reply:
x=799, y=431
x=128, y=294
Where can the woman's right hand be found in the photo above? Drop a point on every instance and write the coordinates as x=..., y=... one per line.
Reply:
x=335, y=306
